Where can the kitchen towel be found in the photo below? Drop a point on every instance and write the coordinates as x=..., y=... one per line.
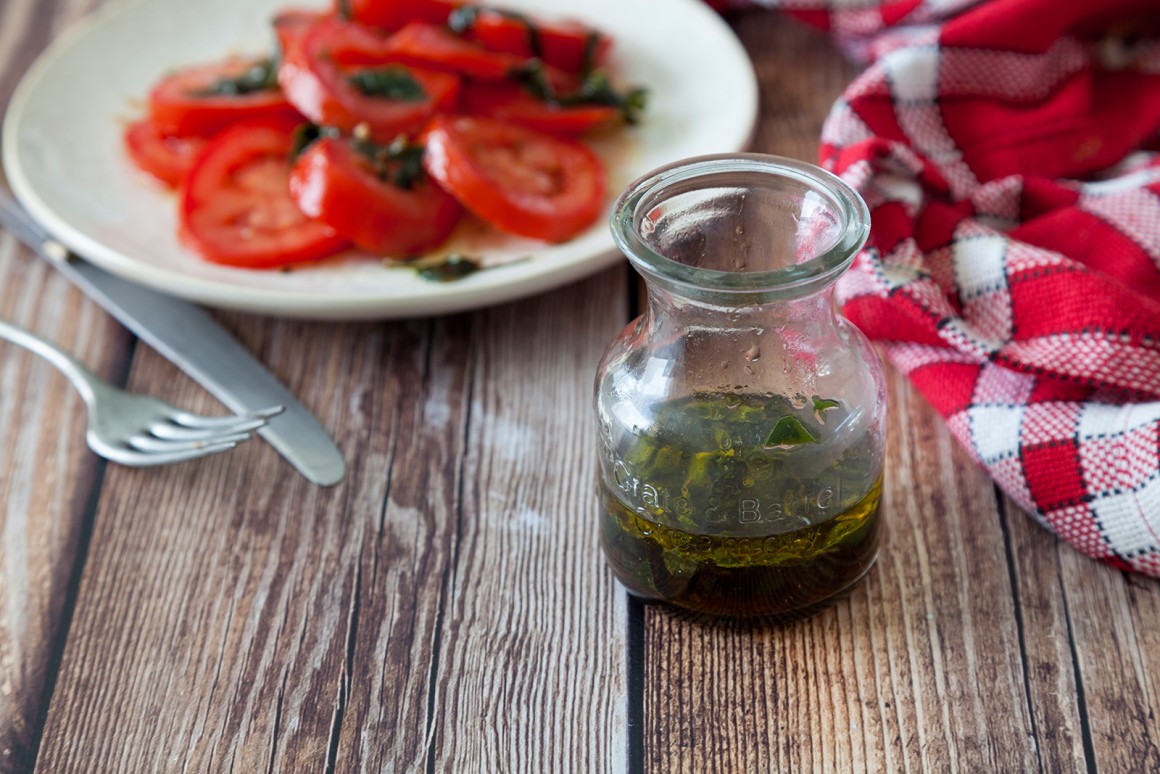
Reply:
x=1007, y=150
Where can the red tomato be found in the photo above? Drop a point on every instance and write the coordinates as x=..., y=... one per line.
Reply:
x=391, y=15
x=436, y=47
x=236, y=207
x=339, y=186
x=290, y=27
x=511, y=103
x=319, y=78
x=517, y=179
x=167, y=158
x=562, y=43
x=188, y=102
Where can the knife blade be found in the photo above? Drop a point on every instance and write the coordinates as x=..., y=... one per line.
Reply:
x=197, y=344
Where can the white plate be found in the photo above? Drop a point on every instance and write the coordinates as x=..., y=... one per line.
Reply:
x=63, y=154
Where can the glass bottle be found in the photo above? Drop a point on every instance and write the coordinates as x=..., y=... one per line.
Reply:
x=741, y=420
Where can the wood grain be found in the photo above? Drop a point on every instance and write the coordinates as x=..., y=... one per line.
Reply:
x=303, y=628
x=909, y=672
x=1112, y=621
x=47, y=475
x=533, y=648
x=447, y=609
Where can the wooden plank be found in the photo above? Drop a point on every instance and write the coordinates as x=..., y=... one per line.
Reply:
x=799, y=74
x=47, y=479
x=532, y=670
x=301, y=628
x=47, y=474
x=1049, y=661
x=212, y=624
x=908, y=673
x=1112, y=619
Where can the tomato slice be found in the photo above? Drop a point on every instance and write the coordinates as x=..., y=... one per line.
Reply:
x=334, y=183
x=391, y=15
x=291, y=26
x=511, y=103
x=201, y=100
x=343, y=75
x=163, y=156
x=436, y=47
x=517, y=179
x=569, y=45
x=236, y=207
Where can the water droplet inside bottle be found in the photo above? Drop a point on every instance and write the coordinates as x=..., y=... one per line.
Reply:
x=798, y=401
x=753, y=354
x=731, y=400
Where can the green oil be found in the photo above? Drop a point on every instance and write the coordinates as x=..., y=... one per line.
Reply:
x=742, y=505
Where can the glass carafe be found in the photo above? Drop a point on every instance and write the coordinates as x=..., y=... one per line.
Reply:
x=741, y=419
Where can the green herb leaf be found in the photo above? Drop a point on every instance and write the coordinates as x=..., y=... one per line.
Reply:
x=390, y=82
x=462, y=19
x=596, y=89
x=261, y=76
x=399, y=163
x=453, y=267
x=789, y=432
x=305, y=135
x=822, y=405
x=591, y=44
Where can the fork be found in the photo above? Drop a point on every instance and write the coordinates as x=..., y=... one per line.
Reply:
x=139, y=430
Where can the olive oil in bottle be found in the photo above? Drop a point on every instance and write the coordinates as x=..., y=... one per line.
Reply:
x=728, y=505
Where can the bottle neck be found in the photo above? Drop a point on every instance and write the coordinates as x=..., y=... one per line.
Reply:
x=813, y=314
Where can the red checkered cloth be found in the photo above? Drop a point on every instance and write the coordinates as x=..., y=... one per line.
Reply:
x=1007, y=151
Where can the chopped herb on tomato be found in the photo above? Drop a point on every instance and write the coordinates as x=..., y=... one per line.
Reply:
x=595, y=89
x=569, y=45
x=262, y=75
x=337, y=183
x=390, y=82
x=376, y=123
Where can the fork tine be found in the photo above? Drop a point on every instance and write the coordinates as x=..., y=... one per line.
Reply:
x=139, y=459
x=147, y=443
x=200, y=422
x=174, y=432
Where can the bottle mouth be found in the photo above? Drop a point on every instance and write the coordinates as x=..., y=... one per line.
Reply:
x=741, y=224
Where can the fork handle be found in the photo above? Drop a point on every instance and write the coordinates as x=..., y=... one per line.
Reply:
x=68, y=365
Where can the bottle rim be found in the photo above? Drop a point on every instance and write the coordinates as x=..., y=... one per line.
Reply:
x=645, y=193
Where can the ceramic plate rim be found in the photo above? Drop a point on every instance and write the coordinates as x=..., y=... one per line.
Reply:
x=502, y=284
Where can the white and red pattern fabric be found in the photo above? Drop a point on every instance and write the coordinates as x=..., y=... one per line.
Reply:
x=1008, y=150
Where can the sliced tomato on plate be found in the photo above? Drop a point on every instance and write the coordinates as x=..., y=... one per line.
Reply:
x=436, y=47
x=570, y=45
x=290, y=27
x=386, y=204
x=236, y=207
x=205, y=99
x=391, y=15
x=343, y=75
x=517, y=179
x=163, y=156
x=512, y=103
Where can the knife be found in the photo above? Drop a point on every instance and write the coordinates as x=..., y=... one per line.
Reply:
x=193, y=341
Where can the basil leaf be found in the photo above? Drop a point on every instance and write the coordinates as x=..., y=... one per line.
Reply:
x=390, y=82
x=453, y=267
x=261, y=76
x=788, y=432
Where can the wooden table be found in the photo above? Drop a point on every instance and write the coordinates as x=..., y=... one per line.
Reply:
x=447, y=609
